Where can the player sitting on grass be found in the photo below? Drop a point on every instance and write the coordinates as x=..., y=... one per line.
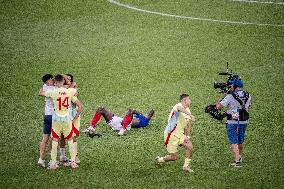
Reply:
x=61, y=119
x=133, y=119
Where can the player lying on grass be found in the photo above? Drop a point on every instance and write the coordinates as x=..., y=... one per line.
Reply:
x=132, y=119
x=177, y=133
x=61, y=119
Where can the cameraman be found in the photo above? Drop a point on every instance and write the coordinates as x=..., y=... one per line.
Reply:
x=237, y=103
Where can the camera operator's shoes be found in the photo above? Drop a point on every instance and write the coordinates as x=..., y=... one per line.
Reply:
x=187, y=169
x=236, y=164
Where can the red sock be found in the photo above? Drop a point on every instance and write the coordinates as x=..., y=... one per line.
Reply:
x=127, y=120
x=95, y=119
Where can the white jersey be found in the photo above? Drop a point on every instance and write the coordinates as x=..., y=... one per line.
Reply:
x=233, y=105
x=48, y=109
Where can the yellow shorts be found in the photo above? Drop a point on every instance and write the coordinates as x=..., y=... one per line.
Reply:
x=173, y=142
x=64, y=127
x=76, y=127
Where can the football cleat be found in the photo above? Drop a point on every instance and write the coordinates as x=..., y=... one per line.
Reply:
x=74, y=165
x=236, y=164
x=159, y=160
x=52, y=166
x=89, y=130
x=77, y=160
x=121, y=132
x=187, y=169
x=128, y=127
x=41, y=163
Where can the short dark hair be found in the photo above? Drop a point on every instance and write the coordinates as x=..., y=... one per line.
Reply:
x=46, y=77
x=71, y=77
x=182, y=96
x=59, y=77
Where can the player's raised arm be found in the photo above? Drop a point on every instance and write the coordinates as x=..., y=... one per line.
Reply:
x=182, y=109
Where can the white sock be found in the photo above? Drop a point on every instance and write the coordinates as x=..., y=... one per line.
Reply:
x=62, y=152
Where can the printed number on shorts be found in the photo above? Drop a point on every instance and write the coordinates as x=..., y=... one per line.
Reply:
x=63, y=103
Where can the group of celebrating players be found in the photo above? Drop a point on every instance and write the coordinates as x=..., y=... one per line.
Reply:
x=62, y=122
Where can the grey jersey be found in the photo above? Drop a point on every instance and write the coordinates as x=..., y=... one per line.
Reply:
x=233, y=105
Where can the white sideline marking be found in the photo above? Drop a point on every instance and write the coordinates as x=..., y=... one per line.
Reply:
x=192, y=18
x=260, y=2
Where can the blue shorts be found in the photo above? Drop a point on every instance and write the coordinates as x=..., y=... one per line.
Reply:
x=236, y=133
x=47, y=123
x=144, y=122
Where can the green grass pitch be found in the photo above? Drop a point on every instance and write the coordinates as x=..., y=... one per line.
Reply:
x=125, y=58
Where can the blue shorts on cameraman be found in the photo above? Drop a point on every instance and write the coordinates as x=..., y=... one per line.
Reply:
x=236, y=133
x=47, y=123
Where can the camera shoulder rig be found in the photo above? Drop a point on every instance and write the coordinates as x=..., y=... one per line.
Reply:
x=214, y=112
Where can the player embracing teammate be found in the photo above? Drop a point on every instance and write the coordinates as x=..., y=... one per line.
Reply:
x=62, y=118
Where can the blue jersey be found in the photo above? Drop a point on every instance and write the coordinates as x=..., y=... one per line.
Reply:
x=143, y=121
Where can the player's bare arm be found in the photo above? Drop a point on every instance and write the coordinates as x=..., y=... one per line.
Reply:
x=80, y=109
x=41, y=92
x=182, y=109
x=219, y=105
x=188, y=129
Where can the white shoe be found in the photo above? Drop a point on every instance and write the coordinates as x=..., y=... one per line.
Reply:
x=128, y=127
x=159, y=160
x=77, y=160
x=121, y=132
x=187, y=169
x=52, y=166
x=74, y=165
x=89, y=130
x=236, y=164
x=41, y=163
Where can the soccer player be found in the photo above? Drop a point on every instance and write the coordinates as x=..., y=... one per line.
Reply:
x=133, y=119
x=69, y=83
x=61, y=119
x=177, y=133
x=48, y=111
